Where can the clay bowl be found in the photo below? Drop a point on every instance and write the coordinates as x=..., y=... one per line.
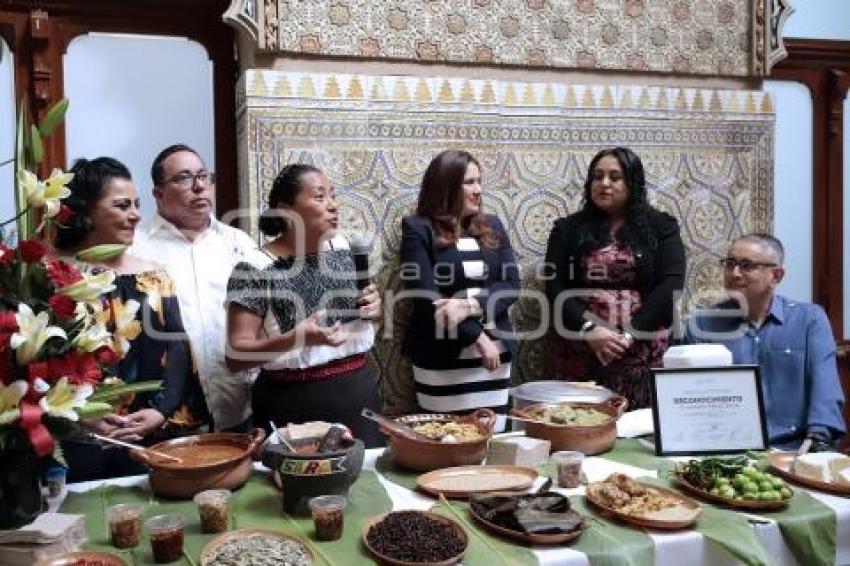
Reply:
x=219, y=460
x=427, y=455
x=302, y=475
x=586, y=439
x=384, y=559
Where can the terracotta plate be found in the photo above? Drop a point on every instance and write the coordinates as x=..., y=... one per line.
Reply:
x=559, y=538
x=680, y=516
x=384, y=559
x=732, y=503
x=69, y=558
x=780, y=462
x=461, y=481
x=223, y=538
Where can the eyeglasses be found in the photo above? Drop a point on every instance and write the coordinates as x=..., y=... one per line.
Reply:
x=186, y=180
x=746, y=265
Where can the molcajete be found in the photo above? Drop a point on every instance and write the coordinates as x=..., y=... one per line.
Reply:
x=302, y=475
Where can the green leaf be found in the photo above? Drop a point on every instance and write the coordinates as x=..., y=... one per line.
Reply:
x=36, y=145
x=24, y=222
x=112, y=393
x=53, y=117
x=103, y=252
x=94, y=410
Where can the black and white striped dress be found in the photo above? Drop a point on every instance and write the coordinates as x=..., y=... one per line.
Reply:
x=464, y=384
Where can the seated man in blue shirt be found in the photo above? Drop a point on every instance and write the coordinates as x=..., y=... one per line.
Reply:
x=790, y=341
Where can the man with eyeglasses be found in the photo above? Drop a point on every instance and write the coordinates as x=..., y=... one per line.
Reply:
x=199, y=253
x=790, y=341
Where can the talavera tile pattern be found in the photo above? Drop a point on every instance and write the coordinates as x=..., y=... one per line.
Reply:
x=671, y=36
x=708, y=154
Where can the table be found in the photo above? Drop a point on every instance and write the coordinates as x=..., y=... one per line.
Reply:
x=689, y=546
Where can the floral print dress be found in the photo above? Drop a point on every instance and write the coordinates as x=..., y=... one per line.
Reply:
x=615, y=298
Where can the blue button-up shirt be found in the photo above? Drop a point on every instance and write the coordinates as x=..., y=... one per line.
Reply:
x=795, y=351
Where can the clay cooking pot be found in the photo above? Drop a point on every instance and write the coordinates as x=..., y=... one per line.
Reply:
x=209, y=461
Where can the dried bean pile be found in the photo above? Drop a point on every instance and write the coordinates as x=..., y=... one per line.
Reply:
x=411, y=536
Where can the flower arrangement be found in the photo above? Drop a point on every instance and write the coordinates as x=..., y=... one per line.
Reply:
x=60, y=340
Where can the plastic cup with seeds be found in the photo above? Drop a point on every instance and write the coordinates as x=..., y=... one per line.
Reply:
x=567, y=468
x=166, y=534
x=212, y=508
x=125, y=524
x=328, y=515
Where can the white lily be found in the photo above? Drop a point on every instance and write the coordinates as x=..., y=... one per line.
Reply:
x=126, y=326
x=10, y=400
x=47, y=194
x=92, y=337
x=90, y=287
x=33, y=332
x=63, y=398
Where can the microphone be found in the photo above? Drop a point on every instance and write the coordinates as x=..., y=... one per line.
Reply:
x=360, y=247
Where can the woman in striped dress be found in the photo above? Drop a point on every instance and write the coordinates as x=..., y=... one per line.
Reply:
x=458, y=266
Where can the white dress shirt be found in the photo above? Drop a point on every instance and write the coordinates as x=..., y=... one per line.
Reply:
x=200, y=270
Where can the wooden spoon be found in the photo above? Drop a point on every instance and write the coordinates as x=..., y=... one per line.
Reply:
x=136, y=447
x=397, y=427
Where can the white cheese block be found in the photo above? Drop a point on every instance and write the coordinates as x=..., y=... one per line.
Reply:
x=814, y=466
x=839, y=463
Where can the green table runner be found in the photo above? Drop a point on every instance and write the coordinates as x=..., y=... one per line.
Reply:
x=257, y=504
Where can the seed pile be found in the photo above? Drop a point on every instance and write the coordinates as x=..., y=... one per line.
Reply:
x=411, y=536
x=259, y=550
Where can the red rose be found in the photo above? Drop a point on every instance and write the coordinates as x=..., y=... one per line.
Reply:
x=106, y=356
x=64, y=215
x=31, y=250
x=62, y=274
x=62, y=305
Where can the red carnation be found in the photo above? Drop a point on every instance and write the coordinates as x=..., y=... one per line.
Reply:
x=106, y=356
x=31, y=250
x=64, y=215
x=89, y=370
x=7, y=254
x=62, y=305
x=62, y=366
x=62, y=274
x=8, y=326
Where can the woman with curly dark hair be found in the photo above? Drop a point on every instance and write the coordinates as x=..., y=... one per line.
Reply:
x=613, y=269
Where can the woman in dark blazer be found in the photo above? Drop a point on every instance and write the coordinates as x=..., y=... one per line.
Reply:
x=459, y=266
x=614, y=268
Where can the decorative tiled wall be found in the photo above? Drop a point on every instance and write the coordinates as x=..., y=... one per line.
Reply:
x=708, y=154
x=703, y=37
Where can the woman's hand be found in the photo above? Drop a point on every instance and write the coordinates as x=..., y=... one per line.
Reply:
x=370, y=303
x=105, y=425
x=310, y=333
x=451, y=312
x=139, y=424
x=489, y=352
x=607, y=344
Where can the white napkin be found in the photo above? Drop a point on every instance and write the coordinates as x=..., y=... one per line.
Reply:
x=635, y=423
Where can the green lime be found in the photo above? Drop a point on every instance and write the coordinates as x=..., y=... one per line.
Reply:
x=785, y=492
x=749, y=471
x=778, y=483
x=715, y=491
x=765, y=486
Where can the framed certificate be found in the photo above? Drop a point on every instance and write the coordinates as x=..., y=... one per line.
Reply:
x=713, y=410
